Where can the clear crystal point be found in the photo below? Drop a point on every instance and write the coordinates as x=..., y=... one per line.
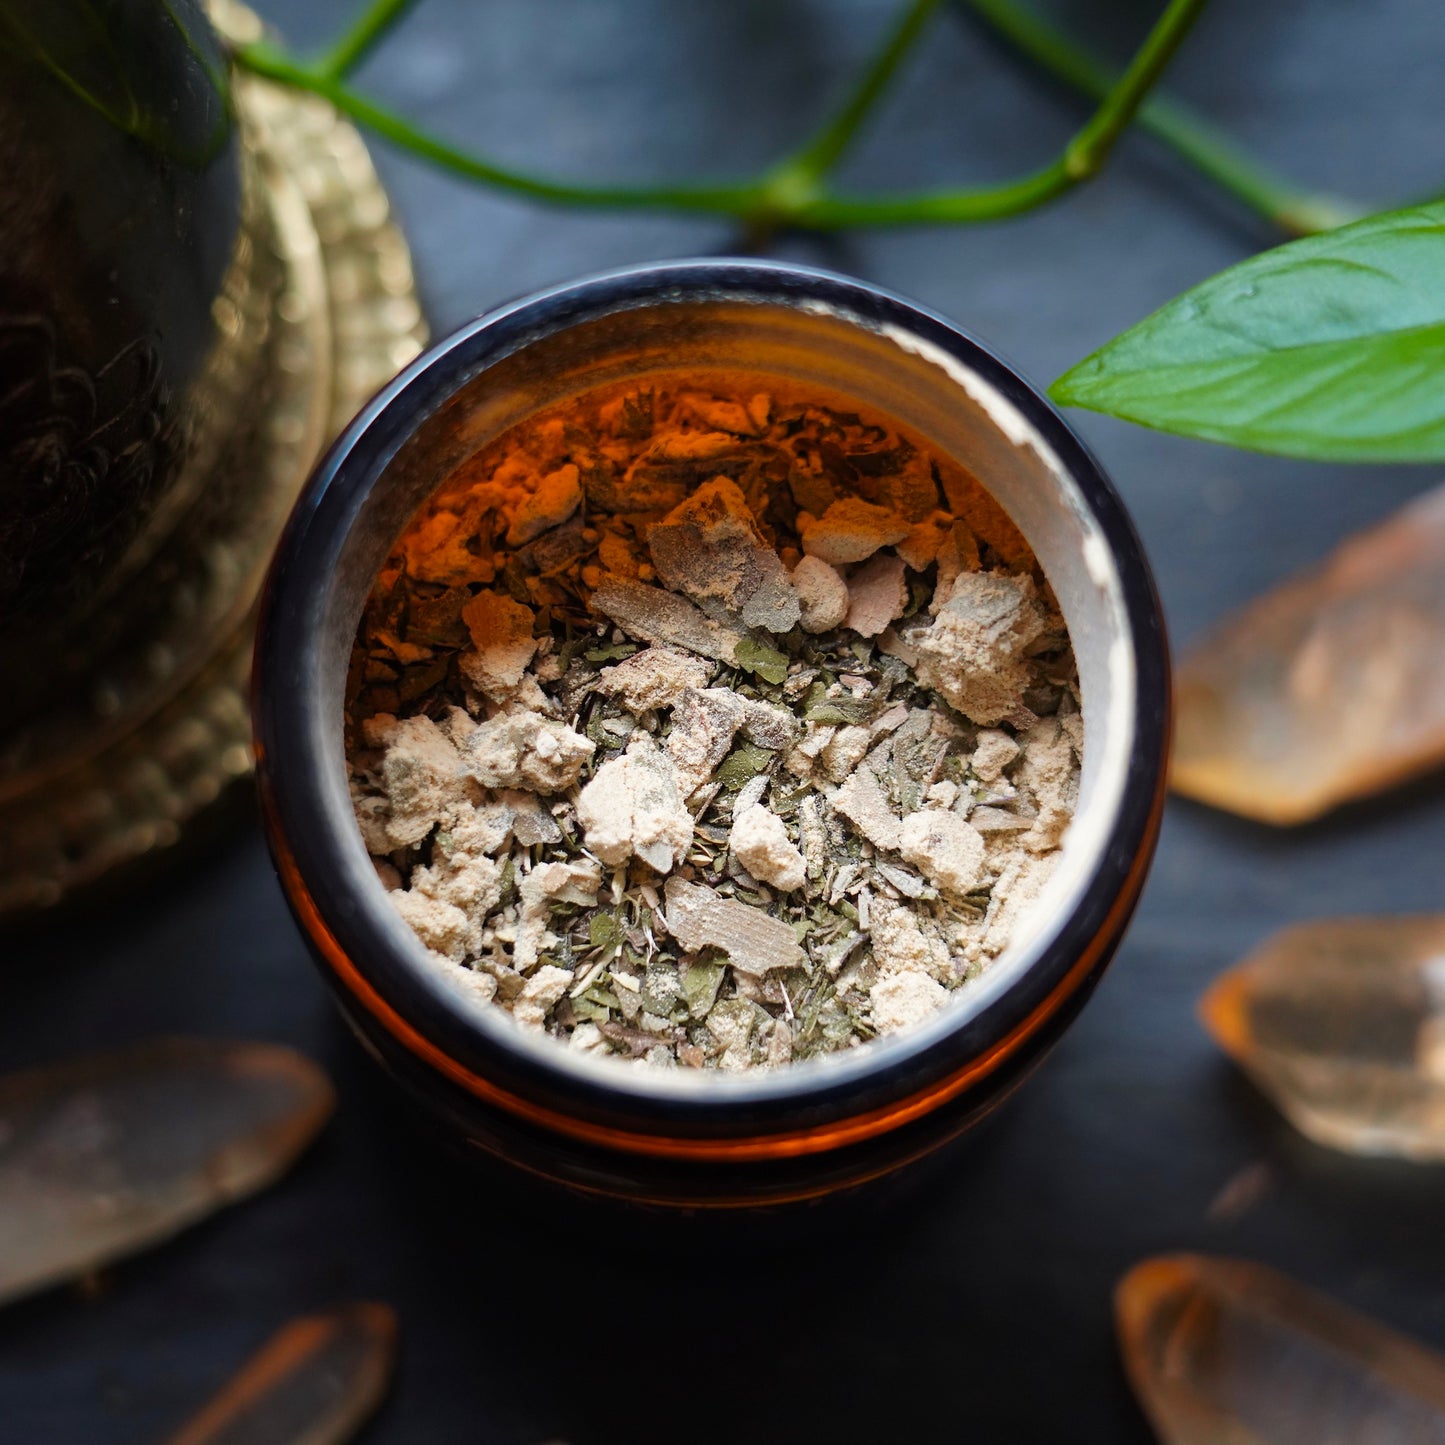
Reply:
x=104, y=1155
x=1342, y=1023
x=1224, y=1352
x=1327, y=688
x=315, y=1382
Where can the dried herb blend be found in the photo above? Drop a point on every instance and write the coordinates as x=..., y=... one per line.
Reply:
x=713, y=723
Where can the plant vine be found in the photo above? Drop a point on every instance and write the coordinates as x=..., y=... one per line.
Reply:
x=799, y=191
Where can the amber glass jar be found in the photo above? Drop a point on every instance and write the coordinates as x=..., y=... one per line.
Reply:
x=704, y=1139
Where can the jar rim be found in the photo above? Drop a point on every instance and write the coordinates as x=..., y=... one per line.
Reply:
x=379, y=965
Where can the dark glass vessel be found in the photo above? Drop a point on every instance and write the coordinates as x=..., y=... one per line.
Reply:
x=122, y=215
x=683, y=1137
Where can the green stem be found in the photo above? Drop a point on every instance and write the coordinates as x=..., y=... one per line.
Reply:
x=1080, y=159
x=727, y=200
x=765, y=202
x=1091, y=147
x=801, y=172
x=1190, y=135
x=353, y=47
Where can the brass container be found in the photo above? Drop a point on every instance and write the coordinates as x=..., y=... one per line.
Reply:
x=199, y=284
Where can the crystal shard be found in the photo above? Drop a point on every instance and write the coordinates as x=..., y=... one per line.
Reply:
x=1223, y=1352
x=1330, y=687
x=1342, y=1023
x=316, y=1382
x=104, y=1155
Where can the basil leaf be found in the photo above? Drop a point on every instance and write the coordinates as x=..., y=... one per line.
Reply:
x=1330, y=348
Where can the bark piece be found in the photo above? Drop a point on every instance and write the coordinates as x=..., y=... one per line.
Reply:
x=753, y=941
x=851, y=530
x=877, y=595
x=665, y=619
x=710, y=548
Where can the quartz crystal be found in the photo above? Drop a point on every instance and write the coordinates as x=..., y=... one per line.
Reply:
x=1224, y=1352
x=104, y=1155
x=316, y=1382
x=1342, y=1023
x=1329, y=687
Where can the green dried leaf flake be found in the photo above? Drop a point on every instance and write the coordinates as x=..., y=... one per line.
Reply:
x=742, y=765
x=767, y=662
x=661, y=990
x=507, y=883
x=605, y=930
x=844, y=710
x=834, y=1021
x=1329, y=348
x=598, y=734
x=590, y=1010
x=700, y=983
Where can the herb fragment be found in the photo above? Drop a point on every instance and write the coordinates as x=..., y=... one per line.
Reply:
x=632, y=773
x=767, y=662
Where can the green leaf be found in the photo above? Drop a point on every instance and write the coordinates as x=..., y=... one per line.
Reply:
x=1330, y=348
x=604, y=930
x=700, y=983
x=742, y=765
x=844, y=710
x=612, y=652
x=767, y=662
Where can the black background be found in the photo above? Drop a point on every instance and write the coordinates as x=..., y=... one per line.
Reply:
x=979, y=1308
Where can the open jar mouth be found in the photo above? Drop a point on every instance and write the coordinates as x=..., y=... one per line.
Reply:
x=801, y=325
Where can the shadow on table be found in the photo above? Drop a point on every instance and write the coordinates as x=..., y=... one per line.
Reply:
x=602, y=1321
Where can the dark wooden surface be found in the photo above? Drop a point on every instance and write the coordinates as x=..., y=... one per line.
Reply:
x=979, y=1308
